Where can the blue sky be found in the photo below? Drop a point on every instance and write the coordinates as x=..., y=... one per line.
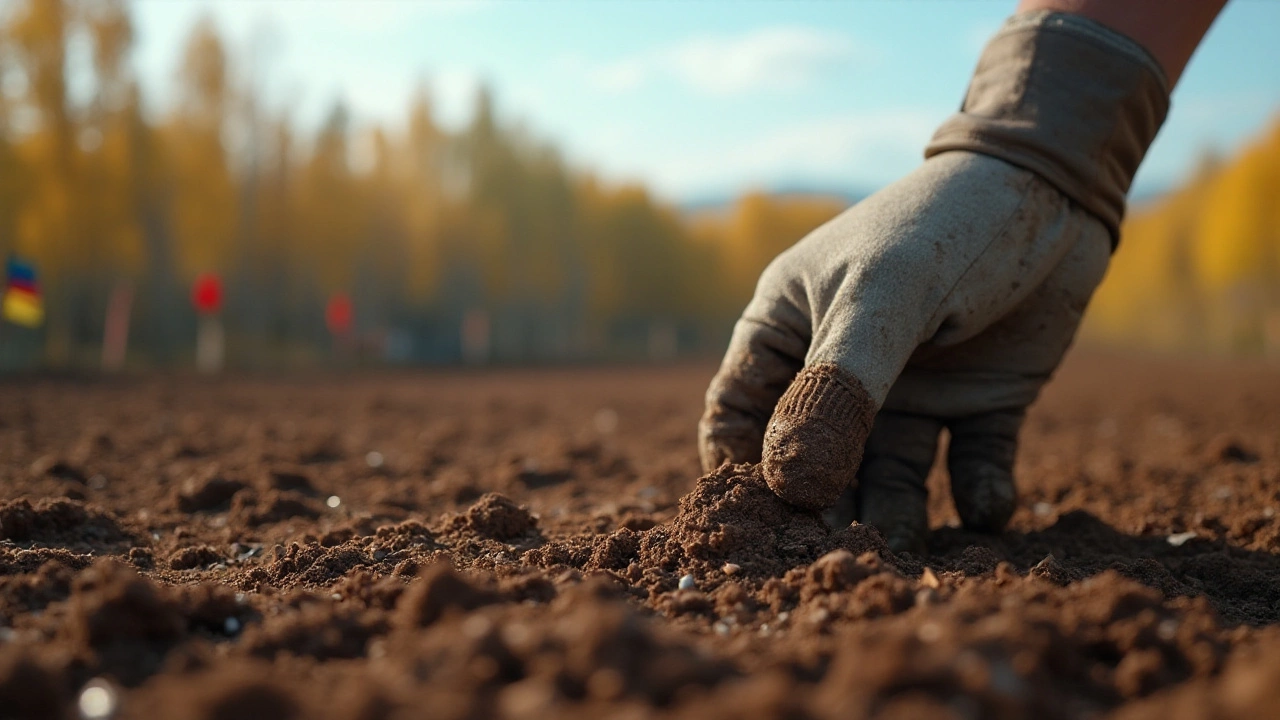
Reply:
x=695, y=99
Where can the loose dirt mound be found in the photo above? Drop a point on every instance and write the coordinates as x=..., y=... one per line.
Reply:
x=535, y=546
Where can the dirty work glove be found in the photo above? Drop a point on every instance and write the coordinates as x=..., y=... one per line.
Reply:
x=962, y=283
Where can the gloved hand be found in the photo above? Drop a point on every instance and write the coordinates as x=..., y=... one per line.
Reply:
x=947, y=298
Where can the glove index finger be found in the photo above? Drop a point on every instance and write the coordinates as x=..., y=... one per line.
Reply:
x=760, y=363
x=814, y=441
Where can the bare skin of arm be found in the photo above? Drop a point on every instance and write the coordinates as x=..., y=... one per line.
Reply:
x=1169, y=29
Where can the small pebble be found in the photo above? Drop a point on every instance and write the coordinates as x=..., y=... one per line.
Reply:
x=606, y=421
x=686, y=582
x=231, y=626
x=721, y=628
x=1180, y=539
x=929, y=579
x=97, y=482
x=1167, y=629
x=929, y=632
x=1042, y=509
x=379, y=555
x=97, y=700
x=731, y=569
x=333, y=501
x=336, y=596
x=374, y=460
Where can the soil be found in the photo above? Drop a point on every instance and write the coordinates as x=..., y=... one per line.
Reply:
x=538, y=544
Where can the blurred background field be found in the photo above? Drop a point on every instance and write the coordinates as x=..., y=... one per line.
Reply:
x=358, y=181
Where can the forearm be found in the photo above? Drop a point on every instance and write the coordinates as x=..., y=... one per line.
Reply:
x=1168, y=29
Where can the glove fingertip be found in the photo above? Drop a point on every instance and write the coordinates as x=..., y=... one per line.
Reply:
x=814, y=441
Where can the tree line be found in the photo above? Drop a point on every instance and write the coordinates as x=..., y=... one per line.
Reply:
x=476, y=244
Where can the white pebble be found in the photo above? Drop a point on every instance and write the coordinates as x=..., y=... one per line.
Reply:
x=333, y=501
x=606, y=421
x=231, y=626
x=686, y=582
x=374, y=459
x=731, y=569
x=721, y=628
x=1179, y=539
x=1042, y=509
x=97, y=700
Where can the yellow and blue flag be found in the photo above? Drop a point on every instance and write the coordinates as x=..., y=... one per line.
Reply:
x=22, y=304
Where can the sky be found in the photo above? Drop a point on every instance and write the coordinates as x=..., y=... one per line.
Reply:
x=698, y=99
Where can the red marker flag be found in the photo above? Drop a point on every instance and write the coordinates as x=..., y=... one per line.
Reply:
x=206, y=294
x=339, y=314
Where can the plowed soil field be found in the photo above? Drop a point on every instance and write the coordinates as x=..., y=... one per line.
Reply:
x=539, y=544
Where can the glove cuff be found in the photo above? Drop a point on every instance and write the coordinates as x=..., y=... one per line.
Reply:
x=1068, y=99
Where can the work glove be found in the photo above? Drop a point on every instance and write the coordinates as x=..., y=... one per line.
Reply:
x=947, y=299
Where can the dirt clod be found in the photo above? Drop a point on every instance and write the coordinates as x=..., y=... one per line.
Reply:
x=511, y=557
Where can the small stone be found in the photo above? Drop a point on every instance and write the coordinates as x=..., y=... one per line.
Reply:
x=97, y=700
x=336, y=596
x=379, y=555
x=231, y=626
x=476, y=626
x=731, y=569
x=1180, y=539
x=721, y=627
x=926, y=597
x=686, y=582
x=1042, y=509
x=606, y=421
x=929, y=579
x=373, y=459
x=929, y=632
x=333, y=501
x=1167, y=629
x=98, y=482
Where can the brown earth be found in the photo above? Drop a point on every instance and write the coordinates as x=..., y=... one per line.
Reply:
x=514, y=544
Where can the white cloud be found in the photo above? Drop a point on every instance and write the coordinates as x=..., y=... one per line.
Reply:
x=853, y=150
x=778, y=58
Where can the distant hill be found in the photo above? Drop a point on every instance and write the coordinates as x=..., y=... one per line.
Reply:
x=723, y=202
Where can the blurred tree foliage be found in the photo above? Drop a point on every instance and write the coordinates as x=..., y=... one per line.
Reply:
x=1199, y=269
x=422, y=227
x=431, y=231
